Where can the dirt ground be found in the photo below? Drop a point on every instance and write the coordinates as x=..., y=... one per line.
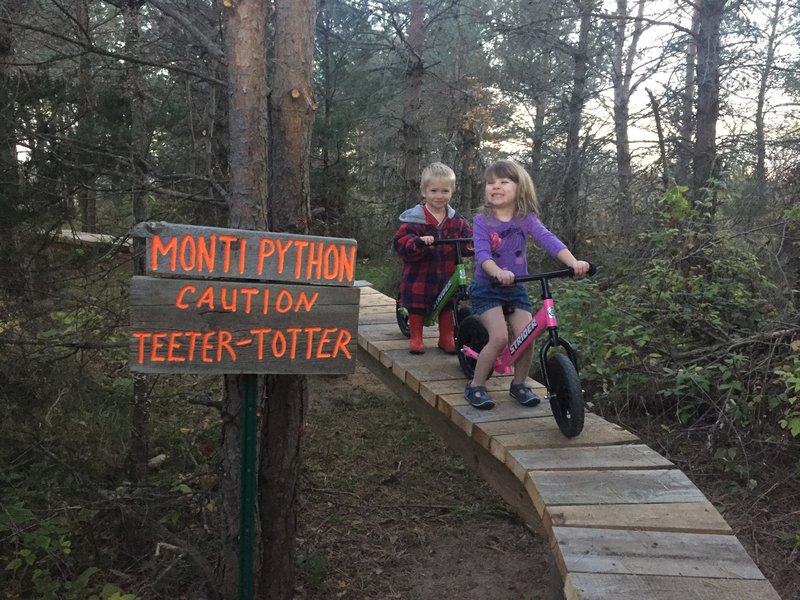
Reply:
x=387, y=511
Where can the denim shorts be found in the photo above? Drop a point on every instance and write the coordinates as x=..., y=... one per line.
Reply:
x=483, y=296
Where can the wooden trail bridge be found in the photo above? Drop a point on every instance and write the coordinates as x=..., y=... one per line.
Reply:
x=623, y=523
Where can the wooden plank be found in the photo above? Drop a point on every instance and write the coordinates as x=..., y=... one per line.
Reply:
x=429, y=389
x=596, y=432
x=370, y=297
x=424, y=368
x=402, y=362
x=578, y=457
x=456, y=384
x=375, y=348
x=695, y=517
x=662, y=486
x=199, y=326
x=498, y=390
x=181, y=250
x=592, y=550
x=375, y=314
x=379, y=331
x=519, y=449
x=465, y=416
x=601, y=586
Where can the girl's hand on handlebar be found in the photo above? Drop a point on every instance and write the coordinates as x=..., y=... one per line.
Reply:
x=427, y=239
x=580, y=268
x=505, y=277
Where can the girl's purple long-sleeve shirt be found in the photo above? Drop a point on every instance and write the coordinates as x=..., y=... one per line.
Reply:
x=506, y=242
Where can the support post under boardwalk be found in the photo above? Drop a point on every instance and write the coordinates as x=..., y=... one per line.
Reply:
x=248, y=488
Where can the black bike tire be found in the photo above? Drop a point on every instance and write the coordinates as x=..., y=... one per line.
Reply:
x=566, y=395
x=402, y=321
x=472, y=333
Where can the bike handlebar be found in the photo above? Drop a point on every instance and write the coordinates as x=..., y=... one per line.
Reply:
x=452, y=241
x=568, y=272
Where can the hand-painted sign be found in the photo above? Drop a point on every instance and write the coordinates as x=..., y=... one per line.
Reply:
x=204, y=325
x=217, y=253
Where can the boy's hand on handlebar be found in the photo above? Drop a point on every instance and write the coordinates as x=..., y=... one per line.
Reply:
x=427, y=239
x=580, y=268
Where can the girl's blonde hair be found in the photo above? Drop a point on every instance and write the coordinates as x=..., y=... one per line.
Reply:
x=526, y=201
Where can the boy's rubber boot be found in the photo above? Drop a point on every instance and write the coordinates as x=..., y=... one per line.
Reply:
x=415, y=326
x=446, y=338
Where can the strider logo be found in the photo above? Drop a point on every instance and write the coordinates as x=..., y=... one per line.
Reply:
x=443, y=293
x=523, y=335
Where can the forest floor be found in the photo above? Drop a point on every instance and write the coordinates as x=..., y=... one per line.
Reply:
x=387, y=511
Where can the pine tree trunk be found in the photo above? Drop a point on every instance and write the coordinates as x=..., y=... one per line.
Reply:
x=87, y=198
x=687, y=118
x=415, y=68
x=292, y=107
x=704, y=162
x=140, y=415
x=572, y=176
x=245, y=23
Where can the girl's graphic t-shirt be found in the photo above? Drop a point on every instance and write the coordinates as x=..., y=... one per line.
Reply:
x=506, y=243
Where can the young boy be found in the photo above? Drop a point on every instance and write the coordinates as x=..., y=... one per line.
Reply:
x=426, y=268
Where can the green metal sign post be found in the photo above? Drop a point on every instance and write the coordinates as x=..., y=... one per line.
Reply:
x=248, y=488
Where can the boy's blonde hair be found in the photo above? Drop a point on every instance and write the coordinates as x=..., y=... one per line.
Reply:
x=526, y=201
x=437, y=170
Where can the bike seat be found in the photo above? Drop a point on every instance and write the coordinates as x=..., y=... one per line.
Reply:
x=507, y=309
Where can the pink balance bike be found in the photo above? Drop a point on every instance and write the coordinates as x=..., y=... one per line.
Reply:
x=559, y=370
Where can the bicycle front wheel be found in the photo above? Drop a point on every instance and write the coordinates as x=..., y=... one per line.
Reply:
x=402, y=320
x=566, y=395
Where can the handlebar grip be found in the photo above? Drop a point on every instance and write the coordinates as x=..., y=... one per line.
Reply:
x=452, y=241
x=592, y=270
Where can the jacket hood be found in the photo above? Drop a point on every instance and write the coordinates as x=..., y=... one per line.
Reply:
x=417, y=214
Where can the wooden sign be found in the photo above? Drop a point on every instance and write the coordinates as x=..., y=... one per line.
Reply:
x=218, y=253
x=201, y=324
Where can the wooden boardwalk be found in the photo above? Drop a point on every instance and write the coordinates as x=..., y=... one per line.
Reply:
x=623, y=522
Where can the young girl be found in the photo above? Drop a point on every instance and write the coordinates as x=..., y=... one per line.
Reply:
x=501, y=231
x=426, y=268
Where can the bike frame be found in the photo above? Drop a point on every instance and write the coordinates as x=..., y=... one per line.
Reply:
x=544, y=320
x=456, y=284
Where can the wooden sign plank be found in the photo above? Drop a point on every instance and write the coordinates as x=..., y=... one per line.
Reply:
x=180, y=250
x=603, y=586
x=695, y=517
x=202, y=326
x=590, y=550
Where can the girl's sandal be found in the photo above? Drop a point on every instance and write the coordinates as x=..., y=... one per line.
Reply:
x=523, y=394
x=478, y=397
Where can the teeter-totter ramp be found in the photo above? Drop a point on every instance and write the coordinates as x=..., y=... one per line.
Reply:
x=622, y=522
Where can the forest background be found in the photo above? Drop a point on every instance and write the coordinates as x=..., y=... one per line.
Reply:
x=664, y=142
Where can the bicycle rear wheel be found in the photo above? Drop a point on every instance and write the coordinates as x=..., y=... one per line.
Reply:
x=566, y=395
x=473, y=334
x=402, y=320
